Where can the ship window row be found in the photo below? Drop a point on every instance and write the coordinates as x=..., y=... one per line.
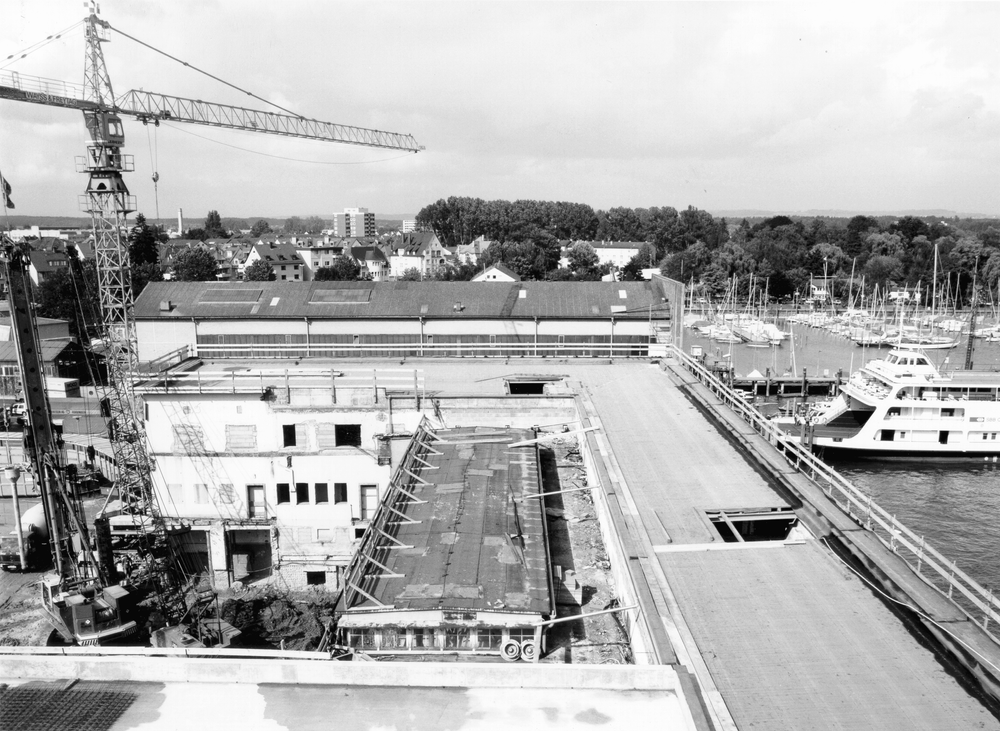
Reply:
x=948, y=394
x=925, y=412
x=941, y=436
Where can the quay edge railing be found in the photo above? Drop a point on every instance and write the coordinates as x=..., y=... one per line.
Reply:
x=979, y=603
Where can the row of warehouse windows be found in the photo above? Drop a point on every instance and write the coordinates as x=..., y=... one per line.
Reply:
x=321, y=493
x=446, y=638
x=243, y=437
x=226, y=494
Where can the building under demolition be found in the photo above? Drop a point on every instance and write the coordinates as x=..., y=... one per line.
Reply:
x=272, y=474
x=456, y=559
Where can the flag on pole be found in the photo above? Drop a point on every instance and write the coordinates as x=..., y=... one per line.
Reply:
x=5, y=193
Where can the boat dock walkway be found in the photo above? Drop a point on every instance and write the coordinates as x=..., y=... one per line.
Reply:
x=780, y=634
x=790, y=637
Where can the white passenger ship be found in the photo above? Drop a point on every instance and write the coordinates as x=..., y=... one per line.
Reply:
x=901, y=406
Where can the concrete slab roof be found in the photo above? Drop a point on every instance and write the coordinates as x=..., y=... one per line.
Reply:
x=473, y=543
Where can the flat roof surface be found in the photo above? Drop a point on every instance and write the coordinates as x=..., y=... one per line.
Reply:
x=810, y=647
x=474, y=543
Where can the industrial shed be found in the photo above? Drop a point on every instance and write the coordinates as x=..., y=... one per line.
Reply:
x=404, y=319
x=456, y=559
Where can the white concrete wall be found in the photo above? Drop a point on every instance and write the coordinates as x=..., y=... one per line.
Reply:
x=159, y=337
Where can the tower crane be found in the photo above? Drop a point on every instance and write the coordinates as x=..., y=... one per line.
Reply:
x=108, y=201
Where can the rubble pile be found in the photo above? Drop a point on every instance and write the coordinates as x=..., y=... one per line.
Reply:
x=275, y=619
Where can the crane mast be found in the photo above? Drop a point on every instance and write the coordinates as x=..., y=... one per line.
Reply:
x=108, y=201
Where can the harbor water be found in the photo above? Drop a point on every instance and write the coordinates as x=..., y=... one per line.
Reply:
x=953, y=504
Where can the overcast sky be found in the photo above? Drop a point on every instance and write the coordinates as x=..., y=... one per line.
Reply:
x=781, y=107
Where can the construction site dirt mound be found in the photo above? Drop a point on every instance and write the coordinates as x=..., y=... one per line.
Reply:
x=272, y=618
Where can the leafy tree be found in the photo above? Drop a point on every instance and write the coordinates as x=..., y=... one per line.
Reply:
x=456, y=272
x=195, y=265
x=213, y=226
x=199, y=234
x=57, y=297
x=313, y=225
x=259, y=271
x=293, y=225
x=411, y=275
x=583, y=260
x=343, y=269
x=883, y=269
x=143, y=274
x=143, y=243
x=260, y=228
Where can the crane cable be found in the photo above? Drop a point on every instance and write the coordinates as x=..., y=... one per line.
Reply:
x=154, y=161
x=25, y=52
x=206, y=73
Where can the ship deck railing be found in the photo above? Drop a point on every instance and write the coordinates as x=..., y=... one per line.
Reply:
x=978, y=603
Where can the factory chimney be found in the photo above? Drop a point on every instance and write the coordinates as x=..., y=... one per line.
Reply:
x=180, y=222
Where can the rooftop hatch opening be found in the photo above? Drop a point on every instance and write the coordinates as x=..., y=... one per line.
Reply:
x=745, y=525
x=529, y=385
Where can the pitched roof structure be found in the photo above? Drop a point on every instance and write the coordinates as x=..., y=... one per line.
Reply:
x=279, y=253
x=475, y=539
x=428, y=299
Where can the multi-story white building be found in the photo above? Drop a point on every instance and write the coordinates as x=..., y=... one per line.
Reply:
x=273, y=474
x=409, y=225
x=421, y=250
x=317, y=257
x=354, y=222
x=284, y=259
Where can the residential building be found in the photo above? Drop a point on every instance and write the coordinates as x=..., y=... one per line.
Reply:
x=372, y=261
x=272, y=475
x=354, y=222
x=317, y=257
x=409, y=225
x=420, y=250
x=45, y=263
x=480, y=580
x=496, y=273
x=399, y=319
x=472, y=252
x=283, y=258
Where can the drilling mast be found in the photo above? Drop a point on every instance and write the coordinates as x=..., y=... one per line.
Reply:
x=109, y=202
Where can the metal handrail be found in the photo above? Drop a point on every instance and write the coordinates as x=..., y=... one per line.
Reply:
x=548, y=349
x=980, y=605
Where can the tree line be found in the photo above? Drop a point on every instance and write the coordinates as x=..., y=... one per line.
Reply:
x=691, y=245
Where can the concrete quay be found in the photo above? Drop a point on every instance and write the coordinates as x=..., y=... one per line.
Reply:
x=768, y=635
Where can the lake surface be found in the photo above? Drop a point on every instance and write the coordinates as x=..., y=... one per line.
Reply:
x=955, y=506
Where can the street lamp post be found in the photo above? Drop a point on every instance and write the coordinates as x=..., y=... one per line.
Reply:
x=13, y=473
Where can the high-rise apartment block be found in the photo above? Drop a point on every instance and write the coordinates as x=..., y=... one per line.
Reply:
x=354, y=222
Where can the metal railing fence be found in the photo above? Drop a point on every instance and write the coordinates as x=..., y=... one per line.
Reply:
x=979, y=603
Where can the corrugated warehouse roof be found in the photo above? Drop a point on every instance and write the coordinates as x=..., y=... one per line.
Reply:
x=430, y=299
x=51, y=350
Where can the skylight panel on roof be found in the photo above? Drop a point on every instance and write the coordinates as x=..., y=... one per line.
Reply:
x=522, y=294
x=617, y=308
x=226, y=296
x=274, y=301
x=622, y=294
x=357, y=296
